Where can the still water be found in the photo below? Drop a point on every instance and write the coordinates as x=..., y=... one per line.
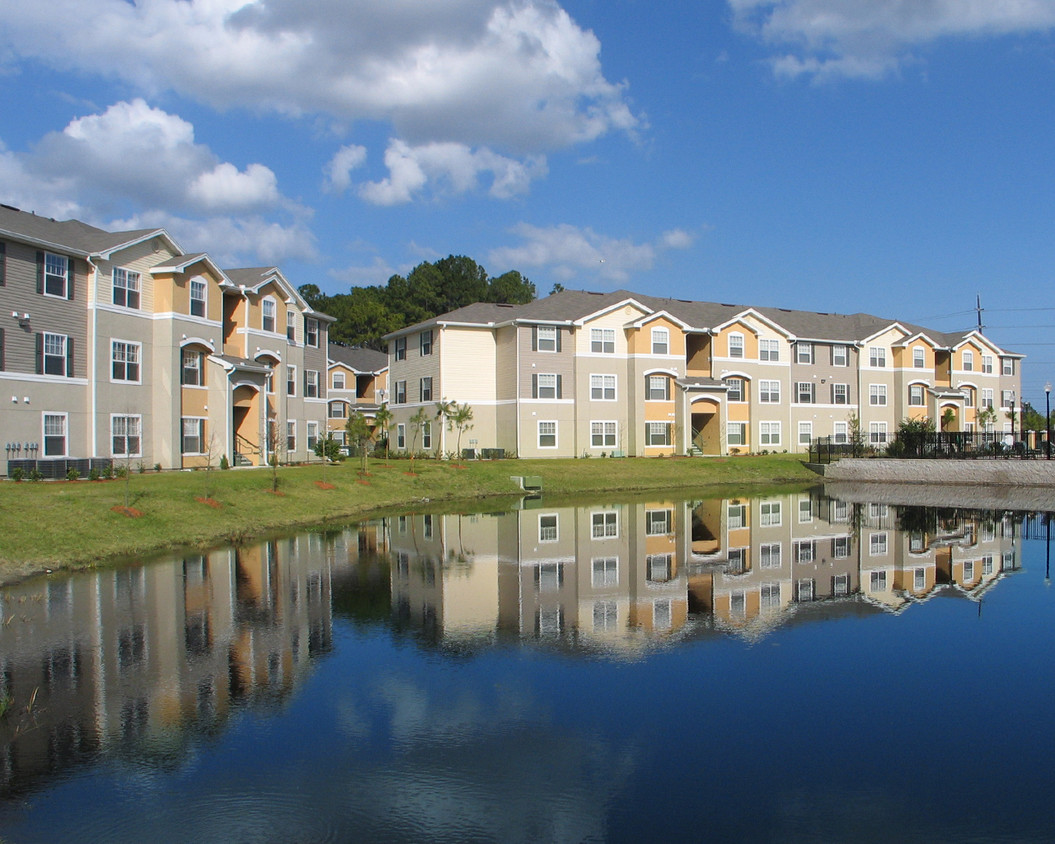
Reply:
x=790, y=668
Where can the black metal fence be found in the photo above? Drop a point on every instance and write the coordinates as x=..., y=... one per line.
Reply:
x=936, y=445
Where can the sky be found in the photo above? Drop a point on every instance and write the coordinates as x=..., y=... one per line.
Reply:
x=886, y=156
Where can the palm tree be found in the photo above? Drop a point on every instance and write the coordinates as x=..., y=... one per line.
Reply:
x=416, y=423
x=444, y=412
x=383, y=419
x=461, y=418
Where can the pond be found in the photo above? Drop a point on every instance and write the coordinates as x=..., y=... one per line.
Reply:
x=786, y=668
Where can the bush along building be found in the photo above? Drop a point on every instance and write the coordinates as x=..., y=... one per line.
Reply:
x=581, y=374
x=122, y=347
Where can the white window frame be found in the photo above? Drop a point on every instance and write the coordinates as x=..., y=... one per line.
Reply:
x=987, y=364
x=768, y=391
x=805, y=392
x=769, y=350
x=291, y=379
x=133, y=357
x=426, y=436
x=291, y=326
x=603, y=387
x=127, y=422
x=1007, y=366
x=311, y=435
x=661, y=341
x=425, y=343
x=736, y=345
x=805, y=433
x=877, y=433
x=63, y=422
x=769, y=433
x=311, y=332
x=547, y=428
x=604, y=571
x=425, y=388
x=841, y=433
x=59, y=345
x=740, y=394
x=401, y=436
x=736, y=433
x=56, y=267
x=770, y=513
x=919, y=357
x=548, y=527
x=199, y=423
x=546, y=338
x=311, y=383
x=604, y=524
x=602, y=341
x=198, y=285
x=658, y=434
x=196, y=367
x=128, y=282
x=291, y=436
x=659, y=522
x=603, y=433
x=987, y=397
x=400, y=345
x=769, y=554
x=804, y=352
x=337, y=373
x=840, y=355
x=664, y=391
x=840, y=393
x=268, y=314
x=916, y=395
x=546, y=385
x=399, y=394
x=877, y=357
x=877, y=395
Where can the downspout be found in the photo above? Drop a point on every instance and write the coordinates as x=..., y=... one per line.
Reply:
x=90, y=295
x=516, y=388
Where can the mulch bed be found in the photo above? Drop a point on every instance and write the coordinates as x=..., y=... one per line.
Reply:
x=212, y=502
x=131, y=512
x=324, y=485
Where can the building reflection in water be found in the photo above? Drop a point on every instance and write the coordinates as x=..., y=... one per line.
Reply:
x=143, y=658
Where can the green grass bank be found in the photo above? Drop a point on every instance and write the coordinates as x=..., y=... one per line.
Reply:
x=51, y=525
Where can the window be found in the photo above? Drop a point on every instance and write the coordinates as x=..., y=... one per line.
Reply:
x=658, y=568
x=840, y=393
x=915, y=395
x=970, y=396
x=191, y=374
x=605, y=615
x=919, y=357
x=55, y=434
x=602, y=341
x=291, y=436
x=877, y=433
x=338, y=410
x=876, y=356
x=55, y=347
x=426, y=435
x=401, y=392
x=840, y=585
x=56, y=271
x=987, y=564
x=841, y=547
x=126, y=288
x=126, y=436
x=657, y=433
x=805, y=433
x=987, y=364
x=804, y=550
x=547, y=434
x=604, y=525
x=602, y=434
x=1007, y=398
x=311, y=332
x=877, y=394
x=605, y=572
x=736, y=391
x=804, y=352
x=769, y=513
x=769, y=392
x=311, y=383
x=193, y=439
x=660, y=341
x=658, y=522
x=124, y=361
x=602, y=387
x=736, y=516
x=968, y=360
x=547, y=527
x=736, y=345
x=877, y=544
x=841, y=433
x=804, y=588
x=769, y=350
x=546, y=385
x=737, y=561
x=919, y=579
x=401, y=348
x=546, y=338
x=1007, y=364
x=806, y=392
x=769, y=433
x=426, y=388
x=425, y=343
x=737, y=604
x=401, y=435
x=197, y=298
x=736, y=433
x=291, y=325
x=878, y=581
x=291, y=380
x=267, y=314
x=338, y=380
x=987, y=397
x=770, y=596
x=769, y=555
x=658, y=388
x=313, y=435
x=839, y=355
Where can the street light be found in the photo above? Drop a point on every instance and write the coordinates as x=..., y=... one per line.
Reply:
x=1047, y=419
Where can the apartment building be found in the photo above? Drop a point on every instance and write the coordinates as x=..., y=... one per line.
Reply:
x=357, y=382
x=586, y=374
x=120, y=345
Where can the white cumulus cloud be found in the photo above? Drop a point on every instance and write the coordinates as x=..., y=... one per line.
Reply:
x=339, y=170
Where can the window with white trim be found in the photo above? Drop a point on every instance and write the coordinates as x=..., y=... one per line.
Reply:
x=604, y=572
x=877, y=394
x=425, y=343
x=126, y=288
x=55, y=359
x=124, y=361
x=56, y=275
x=877, y=581
x=602, y=434
x=192, y=439
x=191, y=371
x=401, y=435
x=657, y=434
x=268, y=309
x=769, y=433
x=968, y=360
x=841, y=433
x=547, y=434
x=547, y=527
x=736, y=433
x=338, y=410
x=658, y=568
x=425, y=388
x=426, y=435
x=804, y=589
x=769, y=555
x=311, y=332
x=919, y=579
x=604, y=525
x=919, y=357
x=805, y=392
x=546, y=338
x=401, y=392
x=55, y=429
x=602, y=387
x=401, y=348
x=546, y=385
x=839, y=355
x=877, y=433
x=769, y=392
x=737, y=389
x=769, y=350
x=736, y=561
x=1007, y=366
x=291, y=380
x=915, y=395
x=876, y=357
x=605, y=616
x=769, y=594
x=311, y=383
x=313, y=435
x=291, y=326
x=803, y=352
x=658, y=388
x=769, y=514
x=840, y=585
x=804, y=550
x=736, y=345
x=197, y=297
x=659, y=522
x=736, y=516
x=337, y=379
x=987, y=397
x=987, y=364
x=291, y=437
x=840, y=393
x=840, y=547
x=660, y=341
x=805, y=511
x=602, y=341
x=126, y=436
x=805, y=433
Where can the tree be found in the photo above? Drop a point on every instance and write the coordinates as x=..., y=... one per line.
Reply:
x=510, y=288
x=383, y=420
x=274, y=443
x=359, y=434
x=986, y=418
x=460, y=417
x=444, y=411
x=417, y=421
x=856, y=436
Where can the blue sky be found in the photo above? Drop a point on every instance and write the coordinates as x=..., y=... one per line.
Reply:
x=889, y=156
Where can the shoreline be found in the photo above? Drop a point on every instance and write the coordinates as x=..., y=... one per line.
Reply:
x=65, y=526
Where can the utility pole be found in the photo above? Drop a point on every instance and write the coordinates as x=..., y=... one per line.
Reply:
x=978, y=308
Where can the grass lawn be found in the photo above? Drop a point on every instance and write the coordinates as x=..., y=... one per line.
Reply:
x=68, y=524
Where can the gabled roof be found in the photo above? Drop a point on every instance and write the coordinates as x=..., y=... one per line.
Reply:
x=179, y=264
x=70, y=236
x=254, y=278
x=357, y=359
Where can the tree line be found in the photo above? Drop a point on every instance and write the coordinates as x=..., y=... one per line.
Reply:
x=365, y=314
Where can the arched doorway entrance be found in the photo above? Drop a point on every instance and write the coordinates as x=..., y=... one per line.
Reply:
x=706, y=422
x=246, y=413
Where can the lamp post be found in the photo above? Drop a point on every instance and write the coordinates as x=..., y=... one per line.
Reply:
x=1047, y=419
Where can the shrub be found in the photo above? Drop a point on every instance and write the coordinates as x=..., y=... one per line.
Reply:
x=72, y=475
x=36, y=475
x=17, y=474
x=224, y=463
x=94, y=474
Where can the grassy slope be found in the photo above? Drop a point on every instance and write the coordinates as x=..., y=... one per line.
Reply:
x=70, y=524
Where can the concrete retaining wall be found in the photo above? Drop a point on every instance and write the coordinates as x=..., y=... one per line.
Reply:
x=970, y=472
